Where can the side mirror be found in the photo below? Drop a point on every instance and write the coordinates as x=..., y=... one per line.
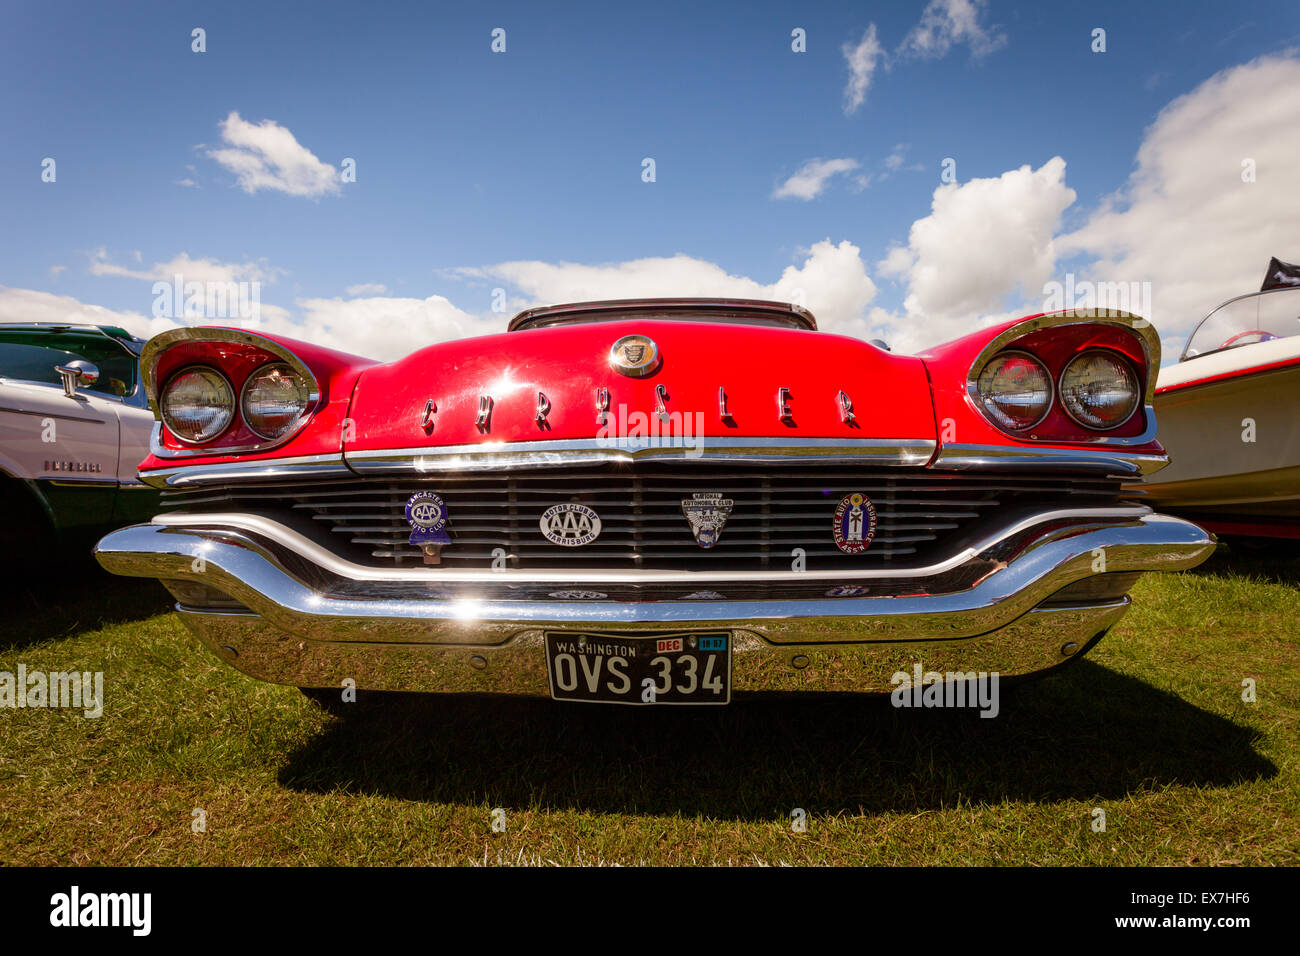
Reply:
x=77, y=372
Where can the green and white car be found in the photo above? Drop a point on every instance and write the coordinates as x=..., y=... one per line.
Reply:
x=74, y=424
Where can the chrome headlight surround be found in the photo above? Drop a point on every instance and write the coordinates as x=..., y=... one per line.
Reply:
x=991, y=412
x=301, y=403
x=226, y=409
x=1131, y=381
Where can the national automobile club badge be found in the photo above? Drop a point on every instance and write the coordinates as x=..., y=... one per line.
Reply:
x=427, y=515
x=707, y=513
x=855, y=523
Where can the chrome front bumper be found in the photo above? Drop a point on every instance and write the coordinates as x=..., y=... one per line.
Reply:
x=1015, y=601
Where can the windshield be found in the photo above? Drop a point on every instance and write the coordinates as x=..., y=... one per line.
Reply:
x=31, y=356
x=1258, y=317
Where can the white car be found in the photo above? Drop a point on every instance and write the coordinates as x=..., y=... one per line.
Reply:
x=74, y=424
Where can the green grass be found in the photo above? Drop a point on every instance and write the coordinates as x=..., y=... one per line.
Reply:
x=1150, y=728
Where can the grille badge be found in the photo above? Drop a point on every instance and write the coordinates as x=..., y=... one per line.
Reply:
x=635, y=355
x=426, y=513
x=855, y=523
x=707, y=513
x=570, y=524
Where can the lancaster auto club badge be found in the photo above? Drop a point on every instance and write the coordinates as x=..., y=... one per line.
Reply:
x=635, y=355
x=427, y=515
x=570, y=524
x=707, y=512
x=855, y=523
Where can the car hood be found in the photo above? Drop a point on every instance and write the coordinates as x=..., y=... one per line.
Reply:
x=566, y=366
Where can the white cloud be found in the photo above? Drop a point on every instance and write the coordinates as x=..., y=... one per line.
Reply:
x=56, y=270
x=385, y=328
x=946, y=23
x=862, y=58
x=1185, y=221
x=367, y=288
x=832, y=281
x=29, y=305
x=380, y=328
x=983, y=240
x=267, y=156
x=811, y=178
x=189, y=269
x=189, y=183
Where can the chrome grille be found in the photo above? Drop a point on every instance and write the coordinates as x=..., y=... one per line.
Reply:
x=776, y=510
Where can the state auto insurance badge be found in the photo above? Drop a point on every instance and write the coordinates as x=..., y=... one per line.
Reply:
x=855, y=523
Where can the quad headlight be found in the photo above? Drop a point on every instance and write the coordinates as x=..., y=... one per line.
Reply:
x=1015, y=390
x=274, y=400
x=197, y=404
x=1099, y=390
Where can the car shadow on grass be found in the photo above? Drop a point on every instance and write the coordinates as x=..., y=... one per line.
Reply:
x=1087, y=733
x=54, y=599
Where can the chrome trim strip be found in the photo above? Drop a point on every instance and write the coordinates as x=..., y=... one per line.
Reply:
x=64, y=418
x=260, y=470
x=903, y=453
x=956, y=457
x=324, y=558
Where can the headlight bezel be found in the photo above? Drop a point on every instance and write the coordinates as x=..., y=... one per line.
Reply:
x=169, y=421
x=305, y=386
x=1120, y=361
x=978, y=394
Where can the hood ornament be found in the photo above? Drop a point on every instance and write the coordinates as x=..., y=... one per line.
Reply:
x=635, y=355
x=707, y=513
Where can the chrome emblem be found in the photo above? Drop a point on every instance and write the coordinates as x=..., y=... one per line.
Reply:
x=430, y=409
x=635, y=355
x=783, y=405
x=570, y=525
x=483, y=420
x=846, y=408
x=661, y=403
x=543, y=409
x=578, y=595
x=602, y=405
x=427, y=515
x=707, y=513
x=855, y=523
x=723, y=412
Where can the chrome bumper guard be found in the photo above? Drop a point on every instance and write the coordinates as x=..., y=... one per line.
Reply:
x=283, y=609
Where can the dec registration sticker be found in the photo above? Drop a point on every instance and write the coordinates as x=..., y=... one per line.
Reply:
x=614, y=669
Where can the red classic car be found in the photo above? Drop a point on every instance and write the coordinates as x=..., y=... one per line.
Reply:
x=654, y=501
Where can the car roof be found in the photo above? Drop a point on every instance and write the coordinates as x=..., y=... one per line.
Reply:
x=734, y=310
x=115, y=333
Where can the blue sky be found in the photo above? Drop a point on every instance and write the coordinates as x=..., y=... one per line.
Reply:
x=467, y=158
